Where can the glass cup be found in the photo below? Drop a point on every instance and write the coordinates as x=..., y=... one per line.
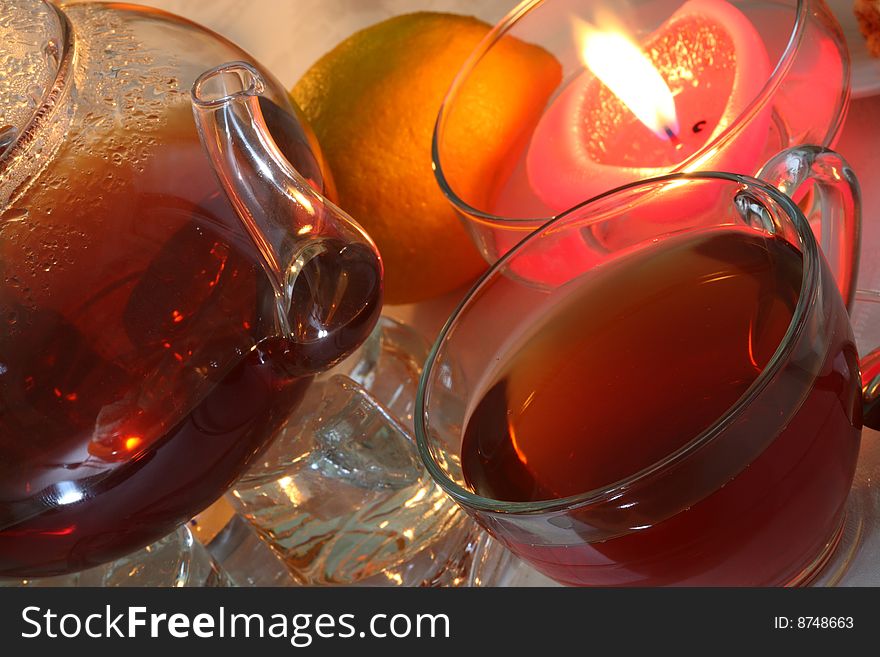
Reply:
x=748, y=80
x=756, y=497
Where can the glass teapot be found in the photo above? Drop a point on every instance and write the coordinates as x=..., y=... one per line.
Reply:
x=171, y=276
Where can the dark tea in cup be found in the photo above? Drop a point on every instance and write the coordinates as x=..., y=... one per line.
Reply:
x=632, y=363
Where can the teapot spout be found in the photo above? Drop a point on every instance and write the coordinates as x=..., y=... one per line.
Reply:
x=325, y=271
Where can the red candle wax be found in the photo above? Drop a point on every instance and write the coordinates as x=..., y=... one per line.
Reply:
x=714, y=63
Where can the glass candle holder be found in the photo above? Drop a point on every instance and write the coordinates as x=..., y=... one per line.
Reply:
x=745, y=80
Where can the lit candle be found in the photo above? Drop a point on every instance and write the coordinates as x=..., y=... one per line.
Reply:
x=638, y=112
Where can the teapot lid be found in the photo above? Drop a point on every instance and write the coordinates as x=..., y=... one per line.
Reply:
x=34, y=34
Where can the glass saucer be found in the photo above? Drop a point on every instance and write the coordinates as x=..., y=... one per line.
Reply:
x=341, y=497
x=175, y=561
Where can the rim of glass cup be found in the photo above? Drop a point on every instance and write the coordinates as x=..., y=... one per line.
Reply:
x=809, y=285
x=783, y=65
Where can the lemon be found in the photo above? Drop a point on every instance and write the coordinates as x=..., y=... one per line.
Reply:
x=373, y=101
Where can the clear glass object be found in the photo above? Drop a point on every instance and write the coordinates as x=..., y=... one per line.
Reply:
x=168, y=287
x=342, y=496
x=176, y=560
x=749, y=79
x=716, y=511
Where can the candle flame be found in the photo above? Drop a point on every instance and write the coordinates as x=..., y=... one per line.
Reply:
x=620, y=64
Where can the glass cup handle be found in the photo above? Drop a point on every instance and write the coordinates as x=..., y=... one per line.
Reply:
x=866, y=316
x=871, y=396
x=834, y=209
x=834, y=212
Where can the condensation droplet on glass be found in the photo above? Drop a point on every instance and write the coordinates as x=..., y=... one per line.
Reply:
x=14, y=215
x=51, y=51
x=8, y=135
x=34, y=95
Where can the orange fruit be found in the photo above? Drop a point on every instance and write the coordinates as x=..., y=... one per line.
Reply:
x=373, y=101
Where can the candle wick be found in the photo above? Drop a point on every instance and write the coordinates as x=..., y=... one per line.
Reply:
x=673, y=138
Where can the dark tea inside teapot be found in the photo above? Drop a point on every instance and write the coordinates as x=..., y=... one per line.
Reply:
x=149, y=351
